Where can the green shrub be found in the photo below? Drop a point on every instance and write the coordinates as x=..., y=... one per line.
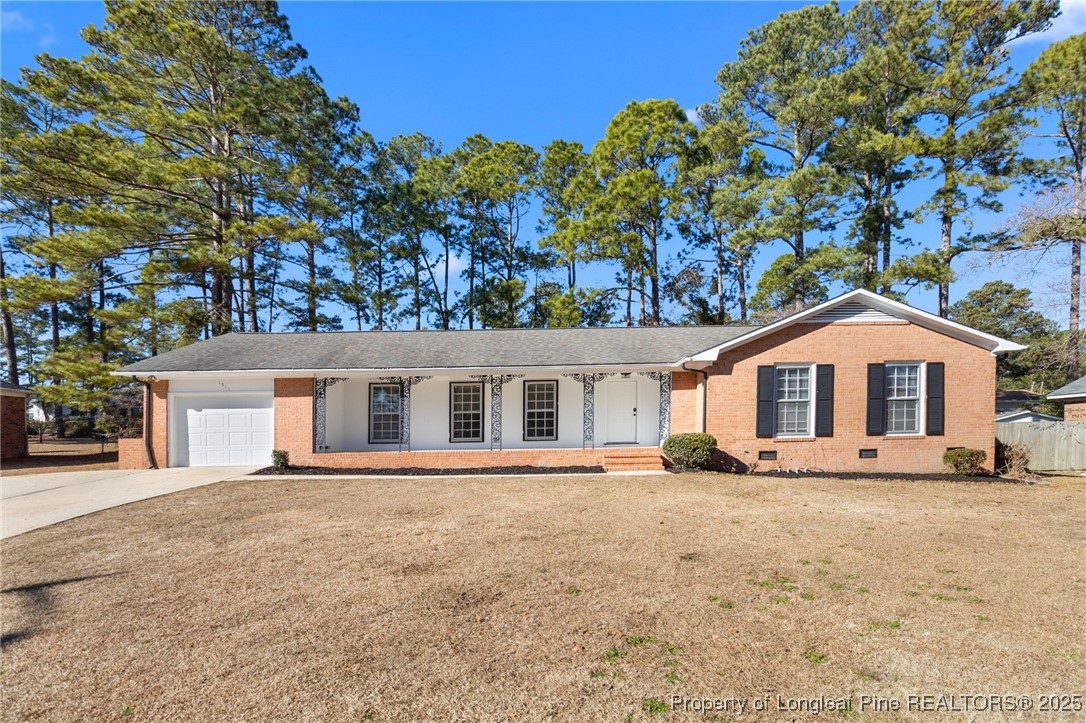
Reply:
x=280, y=459
x=690, y=450
x=965, y=460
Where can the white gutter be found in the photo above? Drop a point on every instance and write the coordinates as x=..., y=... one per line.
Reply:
x=1072, y=395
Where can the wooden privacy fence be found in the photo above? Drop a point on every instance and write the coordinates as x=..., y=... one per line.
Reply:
x=1052, y=445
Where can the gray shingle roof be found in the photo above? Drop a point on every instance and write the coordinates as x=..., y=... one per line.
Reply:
x=9, y=387
x=492, y=348
x=1076, y=388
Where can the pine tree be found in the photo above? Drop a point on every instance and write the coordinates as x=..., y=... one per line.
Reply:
x=975, y=110
x=787, y=81
x=636, y=167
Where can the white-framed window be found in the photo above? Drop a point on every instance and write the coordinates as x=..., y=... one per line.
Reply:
x=466, y=412
x=793, y=392
x=540, y=411
x=384, y=413
x=904, y=381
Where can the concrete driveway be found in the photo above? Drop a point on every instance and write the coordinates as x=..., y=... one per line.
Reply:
x=38, y=500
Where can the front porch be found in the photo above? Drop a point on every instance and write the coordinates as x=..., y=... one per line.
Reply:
x=478, y=419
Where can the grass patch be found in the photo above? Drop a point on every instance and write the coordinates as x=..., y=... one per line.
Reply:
x=614, y=654
x=813, y=656
x=654, y=706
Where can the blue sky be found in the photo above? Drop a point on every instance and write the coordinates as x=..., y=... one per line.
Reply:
x=531, y=72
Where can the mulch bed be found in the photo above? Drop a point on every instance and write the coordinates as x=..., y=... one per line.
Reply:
x=883, y=476
x=424, y=471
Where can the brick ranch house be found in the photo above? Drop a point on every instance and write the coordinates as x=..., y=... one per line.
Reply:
x=1073, y=396
x=858, y=383
x=13, y=400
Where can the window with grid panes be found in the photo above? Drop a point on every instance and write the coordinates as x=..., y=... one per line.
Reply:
x=466, y=409
x=540, y=411
x=793, y=401
x=902, y=398
x=384, y=413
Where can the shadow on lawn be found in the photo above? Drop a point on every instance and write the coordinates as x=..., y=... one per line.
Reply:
x=40, y=600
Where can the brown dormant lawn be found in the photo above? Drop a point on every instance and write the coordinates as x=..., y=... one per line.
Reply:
x=576, y=598
x=81, y=454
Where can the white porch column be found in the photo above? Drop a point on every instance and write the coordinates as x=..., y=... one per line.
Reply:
x=320, y=411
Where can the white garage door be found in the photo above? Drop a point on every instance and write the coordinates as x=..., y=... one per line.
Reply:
x=229, y=437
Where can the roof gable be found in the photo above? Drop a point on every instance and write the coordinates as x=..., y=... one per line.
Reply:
x=1076, y=388
x=862, y=306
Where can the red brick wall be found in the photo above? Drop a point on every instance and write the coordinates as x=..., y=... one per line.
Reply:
x=684, y=402
x=293, y=406
x=446, y=459
x=160, y=423
x=1074, y=412
x=732, y=397
x=130, y=452
x=12, y=426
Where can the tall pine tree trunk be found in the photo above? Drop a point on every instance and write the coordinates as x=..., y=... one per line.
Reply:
x=1073, y=330
x=720, y=277
x=445, y=320
x=741, y=282
x=799, y=280
x=311, y=284
x=629, y=297
x=54, y=326
x=947, y=229
x=250, y=282
x=887, y=226
x=654, y=275
x=11, y=352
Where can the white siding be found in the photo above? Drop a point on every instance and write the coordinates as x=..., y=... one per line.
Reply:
x=347, y=413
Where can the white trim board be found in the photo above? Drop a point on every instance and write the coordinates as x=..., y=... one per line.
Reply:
x=880, y=303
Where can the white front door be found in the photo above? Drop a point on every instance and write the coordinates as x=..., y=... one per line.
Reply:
x=622, y=412
x=229, y=437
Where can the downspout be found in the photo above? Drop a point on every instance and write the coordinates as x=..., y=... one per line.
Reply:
x=704, y=394
x=147, y=418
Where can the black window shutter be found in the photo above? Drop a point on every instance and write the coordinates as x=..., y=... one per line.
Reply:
x=765, y=426
x=876, y=400
x=824, y=400
x=936, y=405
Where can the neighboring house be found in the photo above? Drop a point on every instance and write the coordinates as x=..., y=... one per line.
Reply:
x=13, y=420
x=858, y=383
x=40, y=411
x=1073, y=396
x=1012, y=400
x=1024, y=415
